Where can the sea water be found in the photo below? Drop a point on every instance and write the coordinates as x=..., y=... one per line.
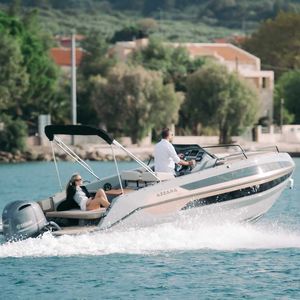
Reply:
x=185, y=259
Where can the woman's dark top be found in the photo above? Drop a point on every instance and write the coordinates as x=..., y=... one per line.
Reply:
x=70, y=203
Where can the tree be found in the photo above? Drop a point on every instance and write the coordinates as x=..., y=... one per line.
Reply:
x=43, y=73
x=128, y=33
x=13, y=76
x=174, y=63
x=147, y=25
x=135, y=5
x=95, y=62
x=277, y=43
x=220, y=99
x=12, y=137
x=132, y=101
x=60, y=106
x=151, y=6
x=156, y=56
x=288, y=89
x=36, y=69
x=14, y=8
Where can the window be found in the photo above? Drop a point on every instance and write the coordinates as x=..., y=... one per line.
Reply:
x=264, y=82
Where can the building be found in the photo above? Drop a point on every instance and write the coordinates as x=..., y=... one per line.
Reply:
x=66, y=41
x=63, y=57
x=235, y=59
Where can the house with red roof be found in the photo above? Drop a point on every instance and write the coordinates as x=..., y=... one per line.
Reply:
x=63, y=57
x=62, y=54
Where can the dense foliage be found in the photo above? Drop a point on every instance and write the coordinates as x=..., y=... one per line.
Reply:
x=13, y=134
x=178, y=20
x=28, y=76
x=14, y=79
x=36, y=87
x=132, y=101
x=287, y=98
x=96, y=62
x=220, y=99
x=226, y=12
x=277, y=43
x=174, y=63
x=142, y=95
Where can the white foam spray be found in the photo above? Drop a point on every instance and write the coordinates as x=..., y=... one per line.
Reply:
x=182, y=235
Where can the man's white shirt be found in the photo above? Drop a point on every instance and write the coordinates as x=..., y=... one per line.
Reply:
x=165, y=157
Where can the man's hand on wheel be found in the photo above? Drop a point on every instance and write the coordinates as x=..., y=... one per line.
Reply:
x=192, y=163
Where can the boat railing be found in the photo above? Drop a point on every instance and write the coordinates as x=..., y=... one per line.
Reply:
x=268, y=148
x=242, y=151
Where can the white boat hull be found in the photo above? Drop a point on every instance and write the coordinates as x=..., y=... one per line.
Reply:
x=246, y=209
x=167, y=201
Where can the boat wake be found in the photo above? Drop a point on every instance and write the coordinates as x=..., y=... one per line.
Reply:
x=182, y=235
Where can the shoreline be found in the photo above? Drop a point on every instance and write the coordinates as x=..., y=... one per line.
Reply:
x=95, y=152
x=92, y=153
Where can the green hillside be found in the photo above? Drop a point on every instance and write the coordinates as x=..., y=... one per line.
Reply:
x=181, y=30
x=176, y=20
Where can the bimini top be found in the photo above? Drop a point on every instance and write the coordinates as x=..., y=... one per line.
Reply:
x=51, y=130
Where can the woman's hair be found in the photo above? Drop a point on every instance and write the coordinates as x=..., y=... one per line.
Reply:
x=71, y=182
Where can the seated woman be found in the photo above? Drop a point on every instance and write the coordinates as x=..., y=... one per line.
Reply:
x=79, y=197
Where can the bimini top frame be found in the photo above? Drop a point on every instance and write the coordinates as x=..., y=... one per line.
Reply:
x=51, y=130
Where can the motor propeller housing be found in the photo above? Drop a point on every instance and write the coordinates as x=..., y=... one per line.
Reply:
x=22, y=219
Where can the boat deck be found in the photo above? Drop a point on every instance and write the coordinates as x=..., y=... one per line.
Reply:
x=118, y=192
x=75, y=230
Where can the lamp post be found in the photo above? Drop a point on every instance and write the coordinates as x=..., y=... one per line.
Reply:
x=281, y=112
x=74, y=100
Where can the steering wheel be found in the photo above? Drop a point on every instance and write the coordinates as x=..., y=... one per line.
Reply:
x=107, y=186
x=178, y=168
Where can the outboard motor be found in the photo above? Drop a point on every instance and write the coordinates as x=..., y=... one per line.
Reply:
x=22, y=219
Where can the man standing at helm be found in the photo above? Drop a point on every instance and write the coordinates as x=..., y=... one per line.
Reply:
x=165, y=156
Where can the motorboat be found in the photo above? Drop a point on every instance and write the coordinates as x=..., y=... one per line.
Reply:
x=231, y=184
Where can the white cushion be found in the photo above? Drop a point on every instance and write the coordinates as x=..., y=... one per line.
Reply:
x=130, y=175
x=77, y=214
x=148, y=177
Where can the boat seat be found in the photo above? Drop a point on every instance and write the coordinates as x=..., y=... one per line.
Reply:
x=46, y=204
x=77, y=214
x=130, y=177
x=149, y=177
x=58, y=198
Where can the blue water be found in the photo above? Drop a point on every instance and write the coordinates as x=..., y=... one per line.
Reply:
x=169, y=261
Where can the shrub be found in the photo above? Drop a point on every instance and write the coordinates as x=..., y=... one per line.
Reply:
x=12, y=137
